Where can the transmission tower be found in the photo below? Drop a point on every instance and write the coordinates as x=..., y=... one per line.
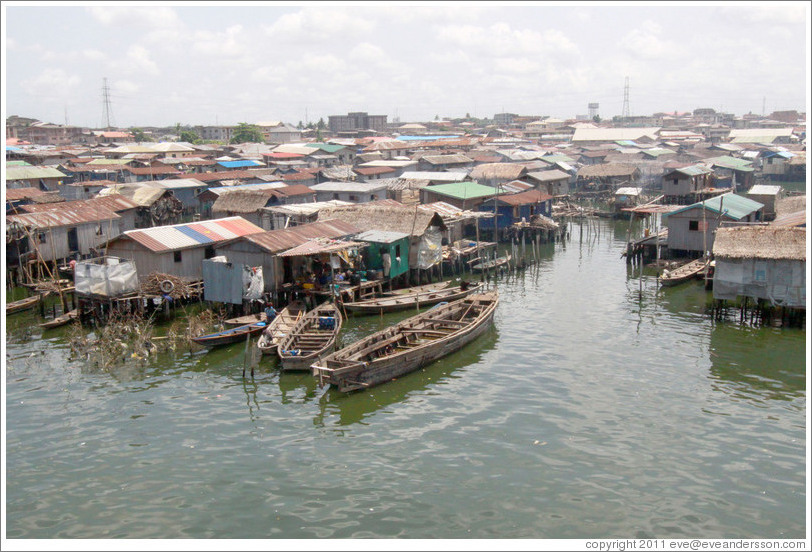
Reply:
x=626, y=111
x=107, y=113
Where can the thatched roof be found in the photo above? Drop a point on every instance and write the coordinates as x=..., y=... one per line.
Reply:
x=607, y=170
x=508, y=171
x=242, y=201
x=761, y=242
x=390, y=218
x=790, y=204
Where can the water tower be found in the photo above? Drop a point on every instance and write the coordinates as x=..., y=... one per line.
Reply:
x=593, y=110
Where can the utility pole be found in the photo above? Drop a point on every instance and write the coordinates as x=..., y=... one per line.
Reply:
x=107, y=112
x=626, y=110
x=764, y=106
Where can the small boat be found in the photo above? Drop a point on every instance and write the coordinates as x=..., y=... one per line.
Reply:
x=280, y=327
x=232, y=335
x=492, y=264
x=23, y=304
x=243, y=320
x=61, y=320
x=413, y=300
x=683, y=273
x=311, y=338
x=408, y=345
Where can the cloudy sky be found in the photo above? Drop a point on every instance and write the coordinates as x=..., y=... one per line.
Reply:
x=167, y=63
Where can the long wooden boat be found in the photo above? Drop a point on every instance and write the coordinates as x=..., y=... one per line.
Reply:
x=683, y=273
x=279, y=327
x=410, y=300
x=23, y=304
x=408, y=345
x=492, y=264
x=311, y=338
x=232, y=335
x=243, y=320
x=416, y=289
x=61, y=320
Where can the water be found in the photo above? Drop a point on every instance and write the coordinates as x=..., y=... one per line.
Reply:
x=587, y=411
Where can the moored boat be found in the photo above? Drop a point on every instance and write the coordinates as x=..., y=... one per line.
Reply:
x=61, y=320
x=243, y=320
x=232, y=335
x=492, y=264
x=692, y=269
x=408, y=345
x=418, y=299
x=311, y=338
x=279, y=327
x=23, y=304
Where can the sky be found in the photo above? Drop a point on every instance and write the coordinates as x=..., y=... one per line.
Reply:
x=168, y=63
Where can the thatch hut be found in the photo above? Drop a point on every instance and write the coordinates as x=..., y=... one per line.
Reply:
x=761, y=262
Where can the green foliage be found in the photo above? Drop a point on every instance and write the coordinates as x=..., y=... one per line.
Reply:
x=190, y=136
x=597, y=118
x=321, y=124
x=138, y=134
x=247, y=133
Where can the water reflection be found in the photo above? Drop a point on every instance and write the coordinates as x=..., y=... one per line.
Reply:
x=745, y=364
x=353, y=408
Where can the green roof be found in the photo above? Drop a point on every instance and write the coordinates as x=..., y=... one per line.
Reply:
x=17, y=163
x=329, y=148
x=656, y=152
x=27, y=173
x=734, y=163
x=694, y=170
x=735, y=206
x=462, y=190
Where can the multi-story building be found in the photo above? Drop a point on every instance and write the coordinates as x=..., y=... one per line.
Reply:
x=219, y=133
x=358, y=120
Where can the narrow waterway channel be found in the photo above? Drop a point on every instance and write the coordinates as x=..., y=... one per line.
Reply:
x=592, y=409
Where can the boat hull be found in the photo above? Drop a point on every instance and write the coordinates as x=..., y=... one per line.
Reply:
x=22, y=304
x=404, y=302
x=344, y=371
x=306, y=343
x=279, y=328
x=61, y=320
x=228, y=337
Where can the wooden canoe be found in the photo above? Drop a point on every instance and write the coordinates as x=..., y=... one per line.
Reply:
x=61, y=320
x=492, y=264
x=232, y=335
x=311, y=338
x=410, y=301
x=23, y=304
x=408, y=345
x=683, y=273
x=243, y=320
x=280, y=327
x=416, y=289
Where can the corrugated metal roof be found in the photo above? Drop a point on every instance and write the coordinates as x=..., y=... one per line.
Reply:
x=62, y=217
x=275, y=241
x=524, y=198
x=547, y=176
x=694, y=170
x=613, y=134
x=141, y=195
x=629, y=191
x=455, y=176
x=114, y=202
x=27, y=173
x=240, y=164
x=349, y=186
x=110, y=162
x=182, y=236
x=15, y=194
x=734, y=206
x=380, y=236
x=319, y=246
x=176, y=183
x=733, y=163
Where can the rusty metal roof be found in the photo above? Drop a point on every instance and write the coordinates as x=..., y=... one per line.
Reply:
x=56, y=218
x=184, y=236
x=282, y=240
x=115, y=203
x=15, y=194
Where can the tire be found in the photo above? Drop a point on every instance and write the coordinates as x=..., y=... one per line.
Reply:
x=167, y=286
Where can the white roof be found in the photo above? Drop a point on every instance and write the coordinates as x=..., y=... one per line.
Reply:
x=306, y=208
x=758, y=132
x=435, y=175
x=293, y=148
x=384, y=163
x=613, y=134
x=349, y=186
x=628, y=191
x=170, y=183
x=764, y=189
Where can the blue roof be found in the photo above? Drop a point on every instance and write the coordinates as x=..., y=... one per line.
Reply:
x=735, y=206
x=12, y=148
x=240, y=163
x=194, y=234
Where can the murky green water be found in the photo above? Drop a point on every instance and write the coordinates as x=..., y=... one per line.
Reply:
x=587, y=412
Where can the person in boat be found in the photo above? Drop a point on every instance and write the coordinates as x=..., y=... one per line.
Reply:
x=270, y=312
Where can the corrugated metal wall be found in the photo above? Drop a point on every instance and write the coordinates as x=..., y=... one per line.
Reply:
x=222, y=282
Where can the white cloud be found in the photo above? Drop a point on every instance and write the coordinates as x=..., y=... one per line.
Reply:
x=94, y=55
x=125, y=86
x=318, y=24
x=500, y=40
x=139, y=58
x=150, y=17
x=51, y=82
x=646, y=42
x=233, y=42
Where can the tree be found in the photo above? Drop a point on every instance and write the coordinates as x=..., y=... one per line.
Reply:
x=467, y=115
x=138, y=134
x=321, y=124
x=189, y=136
x=597, y=118
x=300, y=126
x=247, y=133
x=436, y=117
